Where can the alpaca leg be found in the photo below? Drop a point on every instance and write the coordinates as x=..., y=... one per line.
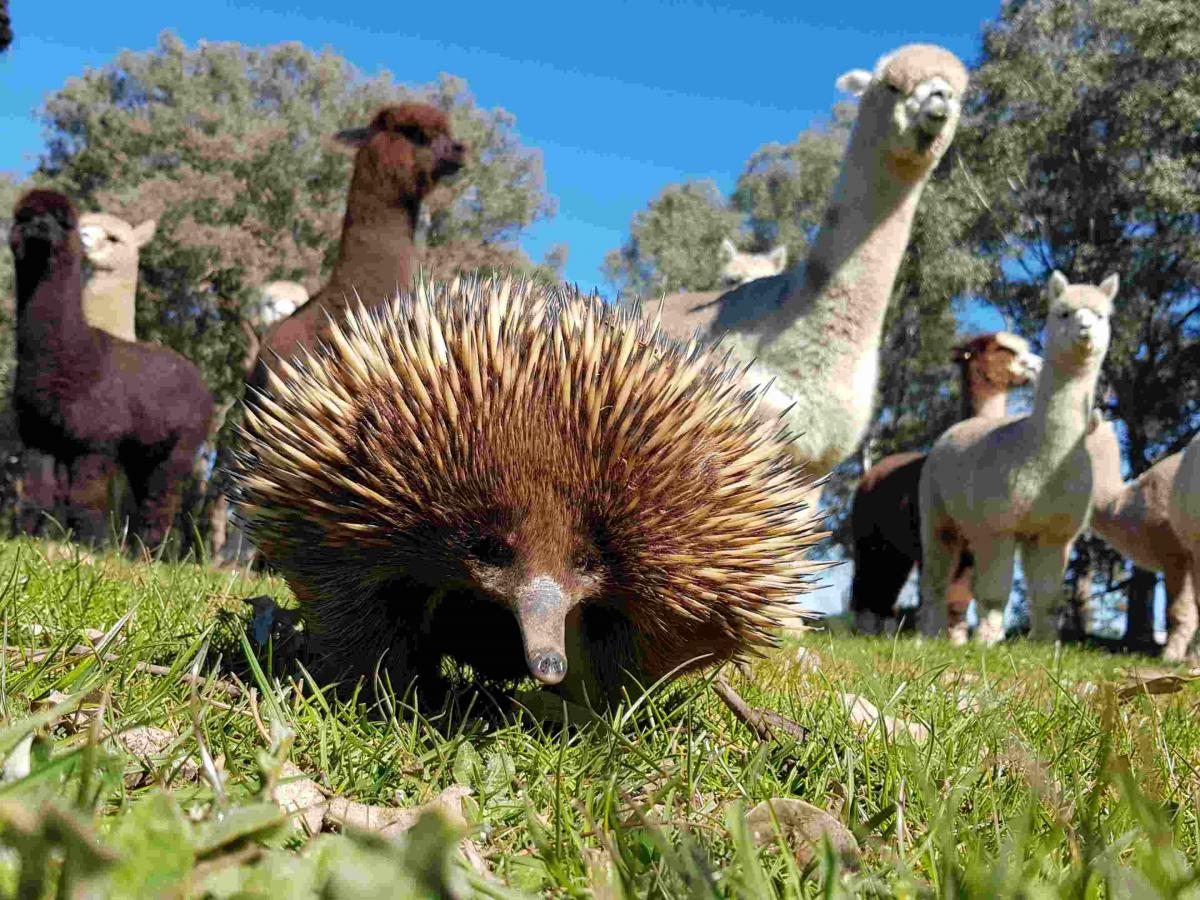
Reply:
x=993, y=584
x=1045, y=565
x=958, y=601
x=880, y=571
x=1181, y=610
x=159, y=487
x=39, y=492
x=88, y=495
x=940, y=549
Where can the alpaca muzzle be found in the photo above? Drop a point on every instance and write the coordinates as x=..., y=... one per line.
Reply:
x=541, y=609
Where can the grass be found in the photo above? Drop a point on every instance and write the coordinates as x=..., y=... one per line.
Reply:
x=1036, y=779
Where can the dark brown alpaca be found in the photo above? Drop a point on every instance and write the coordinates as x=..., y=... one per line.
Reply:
x=90, y=401
x=401, y=156
x=884, y=522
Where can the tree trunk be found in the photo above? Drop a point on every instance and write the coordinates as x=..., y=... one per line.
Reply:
x=1139, y=629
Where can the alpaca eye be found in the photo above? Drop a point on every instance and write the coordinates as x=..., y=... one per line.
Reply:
x=891, y=87
x=1064, y=315
x=414, y=134
x=492, y=551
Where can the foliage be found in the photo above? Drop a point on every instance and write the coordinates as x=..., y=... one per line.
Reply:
x=675, y=242
x=1034, y=781
x=228, y=147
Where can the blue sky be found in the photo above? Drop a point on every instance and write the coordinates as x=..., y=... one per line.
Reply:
x=621, y=98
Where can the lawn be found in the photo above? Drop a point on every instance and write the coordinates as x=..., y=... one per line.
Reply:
x=145, y=749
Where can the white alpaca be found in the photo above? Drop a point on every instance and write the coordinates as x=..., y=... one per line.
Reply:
x=817, y=327
x=111, y=246
x=738, y=268
x=1019, y=481
x=1134, y=519
x=278, y=300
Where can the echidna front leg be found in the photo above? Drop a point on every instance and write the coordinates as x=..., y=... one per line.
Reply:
x=602, y=658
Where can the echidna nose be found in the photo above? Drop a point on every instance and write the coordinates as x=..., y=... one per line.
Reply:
x=541, y=609
x=549, y=668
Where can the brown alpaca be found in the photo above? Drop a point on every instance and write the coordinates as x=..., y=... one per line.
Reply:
x=884, y=521
x=90, y=401
x=1134, y=519
x=405, y=151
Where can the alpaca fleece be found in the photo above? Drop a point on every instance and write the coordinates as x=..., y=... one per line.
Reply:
x=521, y=478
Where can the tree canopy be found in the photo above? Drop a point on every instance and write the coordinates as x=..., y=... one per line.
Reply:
x=227, y=146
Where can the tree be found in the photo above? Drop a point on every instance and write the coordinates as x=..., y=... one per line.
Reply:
x=1083, y=143
x=227, y=147
x=674, y=244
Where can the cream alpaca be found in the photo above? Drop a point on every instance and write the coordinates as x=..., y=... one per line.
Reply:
x=1134, y=519
x=1184, y=507
x=739, y=268
x=1023, y=481
x=111, y=246
x=816, y=328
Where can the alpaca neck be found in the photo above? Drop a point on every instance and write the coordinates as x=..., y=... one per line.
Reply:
x=109, y=298
x=850, y=272
x=50, y=322
x=981, y=399
x=1061, y=410
x=375, y=256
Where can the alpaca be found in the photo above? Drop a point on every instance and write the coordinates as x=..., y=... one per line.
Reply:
x=738, y=268
x=405, y=151
x=817, y=328
x=1183, y=513
x=1134, y=519
x=996, y=484
x=278, y=300
x=89, y=400
x=111, y=247
x=883, y=516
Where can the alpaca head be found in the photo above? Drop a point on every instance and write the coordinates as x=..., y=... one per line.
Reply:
x=111, y=244
x=738, y=267
x=1001, y=360
x=405, y=150
x=1077, y=324
x=44, y=226
x=910, y=106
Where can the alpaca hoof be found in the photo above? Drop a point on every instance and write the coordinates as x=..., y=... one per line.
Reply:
x=1174, y=653
x=958, y=635
x=991, y=630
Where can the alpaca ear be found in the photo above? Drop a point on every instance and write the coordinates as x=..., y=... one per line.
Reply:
x=353, y=137
x=1058, y=284
x=1110, y=285
x=778, y=257
x=728, y=249
x=144, y=232
x=854, y=82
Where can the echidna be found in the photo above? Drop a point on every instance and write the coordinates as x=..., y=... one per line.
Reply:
x=514, y=475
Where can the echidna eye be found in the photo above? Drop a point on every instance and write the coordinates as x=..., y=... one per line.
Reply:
x=493, y=551
x=586, y=561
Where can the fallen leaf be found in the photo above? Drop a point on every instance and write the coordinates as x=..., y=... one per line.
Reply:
x=864, y=714
x=803, y=828
x=391, y=821
x=296, y=793
x=17, y=764
x=1145, y=683
x=147, y=743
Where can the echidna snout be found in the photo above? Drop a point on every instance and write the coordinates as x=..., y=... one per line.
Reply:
x=541, y=609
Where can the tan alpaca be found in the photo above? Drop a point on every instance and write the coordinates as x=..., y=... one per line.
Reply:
x=1134, y=519
x=111, y=246
x=816, y=328
x=739, y=268
x=1183, y=509
x=996, y=485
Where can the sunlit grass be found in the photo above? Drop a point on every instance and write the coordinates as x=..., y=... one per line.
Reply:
x=1033, y=771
